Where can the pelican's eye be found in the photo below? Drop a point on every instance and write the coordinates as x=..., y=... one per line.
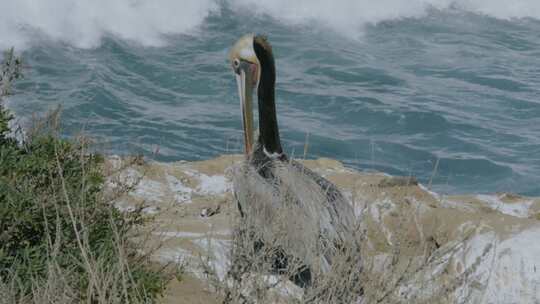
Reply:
x=236, y=65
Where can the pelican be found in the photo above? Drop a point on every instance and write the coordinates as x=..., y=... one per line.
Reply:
x=293, y=206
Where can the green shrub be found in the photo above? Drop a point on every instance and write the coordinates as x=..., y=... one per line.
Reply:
x=61, y=240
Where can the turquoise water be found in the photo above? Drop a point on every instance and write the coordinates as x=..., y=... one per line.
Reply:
x=376, y=90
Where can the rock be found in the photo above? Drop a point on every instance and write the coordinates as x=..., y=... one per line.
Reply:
x=417, y=246
x=208, y=212
x=398, y=181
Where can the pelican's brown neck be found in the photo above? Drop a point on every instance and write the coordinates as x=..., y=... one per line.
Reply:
x=268, y=126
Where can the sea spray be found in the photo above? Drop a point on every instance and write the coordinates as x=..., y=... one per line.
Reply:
x=84, y=24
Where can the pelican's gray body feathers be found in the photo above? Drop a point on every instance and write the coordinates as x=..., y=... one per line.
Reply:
x=295, y=207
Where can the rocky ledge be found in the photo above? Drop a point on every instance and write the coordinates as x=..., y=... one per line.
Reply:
x=418, y=246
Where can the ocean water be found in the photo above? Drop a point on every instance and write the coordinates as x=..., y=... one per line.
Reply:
x=394, y=86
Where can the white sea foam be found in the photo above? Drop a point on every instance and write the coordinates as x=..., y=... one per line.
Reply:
x=348, y=15
x=84, y=23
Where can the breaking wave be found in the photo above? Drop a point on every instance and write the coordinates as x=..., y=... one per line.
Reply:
x=83, y=24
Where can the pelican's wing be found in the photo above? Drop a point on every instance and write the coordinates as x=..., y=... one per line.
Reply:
x=296, y=208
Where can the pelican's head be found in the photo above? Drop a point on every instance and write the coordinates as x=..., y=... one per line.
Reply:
x=247, y=69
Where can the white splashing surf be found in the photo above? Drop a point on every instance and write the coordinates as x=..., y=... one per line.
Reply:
x=83, y=24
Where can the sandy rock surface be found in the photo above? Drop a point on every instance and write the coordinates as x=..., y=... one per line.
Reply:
x=418, y=246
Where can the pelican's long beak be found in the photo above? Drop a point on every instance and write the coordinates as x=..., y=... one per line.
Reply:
x=245, y=90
